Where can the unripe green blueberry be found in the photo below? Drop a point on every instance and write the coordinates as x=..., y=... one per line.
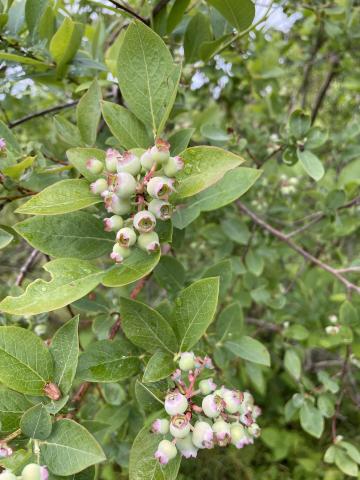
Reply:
x=160, y=152
x=233, y=399
x=165, y=452
x=116, y=205
x=161, y=426
x=222, y=433
x=144, y=221
x=254, y=430
x=203, y=435
x=125, y=185
x=7, y=475
x=207, y=386
x=99, y=186
x=94, y=166
x=161, y=209
x=149, y=242
x=160, y=187
x=119, y=253
x=147, y=160
x=173, y=166
x=126, y=237
x=212, y=405
x=179, y=426
x=129, y=163
x=113, y=223
x=175, y=403
x=187, y=361
x=32, y=471
x=111, y=159
x=239, y=436
x=186, y=447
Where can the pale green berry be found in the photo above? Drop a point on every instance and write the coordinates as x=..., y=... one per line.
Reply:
x=7, y=475
x=186, y=446
x=129, y=163
x=160, y=152
x=149, y=242
x=147, y=160
x=111, y=159
x=126, y=237
x=212, y=405
x=94, y=166
x=99, y=186
x=175, y=403
x=187, y=361
x=233, y=399
x=254, y=430
x=221, y=431
x=116, y=205
x=161, y=426
x=125, y=185
x=207, y=386
x=239, y=436
x=144, y=221
x=32, y=471
x=165, y=452
x=161, y=209
x=179, y=426
x=113, y=223
x=119, y=253
x=160, y=187
x=173, y=166
x=203, y=435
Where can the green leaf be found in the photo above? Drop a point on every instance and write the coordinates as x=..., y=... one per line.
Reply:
x=292, y=363
x=194, y=311
x=176, y=14
x=61, y=197
x=65, y=351
x=311, y=419
x=71, y=279
x=197, y=32
x=79, y=156
x=65, y=43
x=161, y=365
x=326, y=405
x=78, y=235
x=230, y=323
x=346, y=464
x=311, y=164
x=5, y=238
x=33, y=13
x=36, y=422
x=315, y=138
x=329, y=456
x=15, y=171
x=143, y=465
x=236, y=230
x=67, y=131
x=88, y=113
x=108, y=361
x=249, y=349
x=239, y=13
x=351, y=450
x=148, y=78
x=180, y=140
x=299, y=124
x=27, y=369
x=125, y=126
x=145, y=327
x=170, y=274
x=137, y=266
x=223, y=270
x=234, y=184
x=12, y=406
x=11, y=142
x=11, y=57
x=204, y=166
x=149, y=395
x=70, y=449
x=208, y=49
x=254, y=262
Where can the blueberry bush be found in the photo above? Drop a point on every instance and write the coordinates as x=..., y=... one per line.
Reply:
x=179, y=239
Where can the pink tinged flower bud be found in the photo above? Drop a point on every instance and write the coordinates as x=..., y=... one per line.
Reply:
x=52, y=391
x=247, y=419
x=147, y=160
x=113, y=223
x=32, y=471
x=254, y=430
x=99, y=186
x=144, y=221
x=176, y=376
x=165, y=452
x=207, y=386
x=256, y=412
x=5, y=452
x=173, y=166
x=7, y=475
x=160, y=152
x=119, y=253
x=116, y=205
x=208, y=363
x=126, y=237
x=94, y=166
x=161, y=426
x=186, y=447
x=111, y=159
x=129, y=163
x=239, y=436
x=149, y=242
x=203, y=435
x=2, y=144
x=187, y=361
x=125, y=185
x=160, y=187
x=222, y=434
x=175, y=403
x=248, y=398
x=212, y=405
x=161, y=209
x=233, y=399
x=179, y=426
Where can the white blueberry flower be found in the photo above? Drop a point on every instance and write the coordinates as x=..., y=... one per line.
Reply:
x=149, y=242
x=160, y=187
x=119, y=253
x=207, y=386
x=212, y=405
x=239, y=436
x=187, y=361
x=186, y=446
x=111, y=159
x=333, y=319
x=7, y=475
x=203, y=435
x=94, y=166
x=5, y=452
x=128, y=162
x=165, y=452
x=254, y=430
x=99, y=186
x=161, y=209
x=126, y=237
x=256, y=412
x=161, y=426
x=198, y=80
x=277, y=19
x=222, y=432
x=113, y=223
x=332, y=329
x=173, y=166
x=144, y=221
x=175, y=403
x=179, y=426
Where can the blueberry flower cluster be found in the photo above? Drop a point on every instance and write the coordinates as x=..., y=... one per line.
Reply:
x=32, y=471
x=201, y=416
x=137, y=187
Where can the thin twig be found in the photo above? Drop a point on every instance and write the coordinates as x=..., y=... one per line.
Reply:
x=308, y=256
x=341, y=393
x=334, y=61
x=26, y=267
x=41, y=113
x=159, y=6
x=128, y=10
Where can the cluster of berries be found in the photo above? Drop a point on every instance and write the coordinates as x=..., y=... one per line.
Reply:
x=32, y=471
x=138, y=187
x=224, y=417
